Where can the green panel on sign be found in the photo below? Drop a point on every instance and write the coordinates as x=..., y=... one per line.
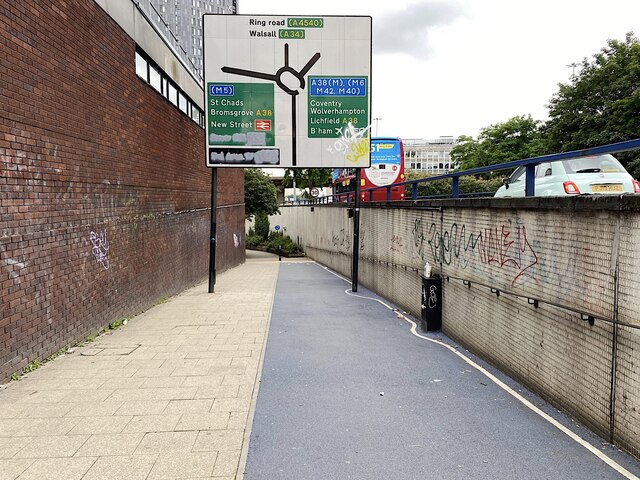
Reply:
x=337, y=103
x=305, y=22
x=291, y=33
x=240, y=114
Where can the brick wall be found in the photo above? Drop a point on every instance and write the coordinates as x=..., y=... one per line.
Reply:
x=575, y=255
x=104, y=197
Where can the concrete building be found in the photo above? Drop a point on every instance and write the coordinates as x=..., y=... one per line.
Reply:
x=428, y=156
x=180, y=21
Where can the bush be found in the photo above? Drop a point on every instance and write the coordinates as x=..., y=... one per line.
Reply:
x=467, y=184
x=273, y=235
x=262, y=226
x=288, y=245
x=252, y=240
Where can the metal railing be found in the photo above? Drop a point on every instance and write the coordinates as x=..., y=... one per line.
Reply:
x=528, y=163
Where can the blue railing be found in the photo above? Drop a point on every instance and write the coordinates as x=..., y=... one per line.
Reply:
x=528, y=163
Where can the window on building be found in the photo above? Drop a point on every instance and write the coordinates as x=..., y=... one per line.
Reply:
x=173, y=95
x=141, y=67
x=155, y=78
x=160, y=81
x=182, y=102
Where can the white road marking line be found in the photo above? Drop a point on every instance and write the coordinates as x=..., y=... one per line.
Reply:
x=575, y=437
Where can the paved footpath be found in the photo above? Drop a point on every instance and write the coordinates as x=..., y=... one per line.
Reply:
x=166, y=396
x=346, y=392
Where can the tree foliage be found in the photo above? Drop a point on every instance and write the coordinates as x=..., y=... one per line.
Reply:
x=262, y=225
x=515, y=139
x=307, y=177
x=601, y=104
x=260, y=194
x=467, y=184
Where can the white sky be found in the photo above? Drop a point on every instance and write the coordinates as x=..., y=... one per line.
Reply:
x=452, y=67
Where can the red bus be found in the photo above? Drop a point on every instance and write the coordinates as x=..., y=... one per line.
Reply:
x=387, y=169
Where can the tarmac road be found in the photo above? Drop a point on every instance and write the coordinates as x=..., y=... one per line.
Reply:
x=348, y=392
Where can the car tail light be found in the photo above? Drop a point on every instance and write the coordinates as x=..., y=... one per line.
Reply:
x=571, y=188
x=636, y=186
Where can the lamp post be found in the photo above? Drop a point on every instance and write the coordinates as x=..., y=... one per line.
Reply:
x=376, y=119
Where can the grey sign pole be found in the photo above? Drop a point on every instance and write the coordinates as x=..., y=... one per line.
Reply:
x=356, y=234
x=212, y=236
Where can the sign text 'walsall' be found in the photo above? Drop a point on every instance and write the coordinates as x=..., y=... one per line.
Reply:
x=287, y=91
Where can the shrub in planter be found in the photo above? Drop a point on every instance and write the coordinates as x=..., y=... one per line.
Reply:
x=289, y=247
x=252, y=240
x=262, y=225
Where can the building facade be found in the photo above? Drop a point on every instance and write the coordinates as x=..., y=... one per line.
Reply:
x=431, y=157
x=105, y=199
x=181, y=22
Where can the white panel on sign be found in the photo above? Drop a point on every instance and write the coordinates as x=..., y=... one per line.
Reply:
x=287, y=91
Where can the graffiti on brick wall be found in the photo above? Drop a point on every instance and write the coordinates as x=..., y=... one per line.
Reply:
x=505, y=246
x=418, y=237
x=100, y=248
x=558, y=269
x=14, y=267
x=397, y=243
x=342, y=241
x=99, y=195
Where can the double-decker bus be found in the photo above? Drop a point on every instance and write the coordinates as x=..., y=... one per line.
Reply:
x=387, y=169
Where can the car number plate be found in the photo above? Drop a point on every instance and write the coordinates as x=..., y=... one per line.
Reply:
x=614, y=187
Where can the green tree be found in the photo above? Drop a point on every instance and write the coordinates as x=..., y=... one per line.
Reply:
x=517, y=138
x=600, y=104
x=467, y=184
x=307, y=177
x=466, y=153
x=260, y=194
x=262, y=225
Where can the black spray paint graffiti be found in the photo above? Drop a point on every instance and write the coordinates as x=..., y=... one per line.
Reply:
x=100, y=248
x=342, y=241
x=498, y=246
x=418, y=237
x=396, y=243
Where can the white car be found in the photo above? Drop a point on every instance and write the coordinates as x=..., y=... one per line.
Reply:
x=598, y=174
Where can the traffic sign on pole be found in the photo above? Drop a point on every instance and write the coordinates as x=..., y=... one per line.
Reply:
x=287, y=91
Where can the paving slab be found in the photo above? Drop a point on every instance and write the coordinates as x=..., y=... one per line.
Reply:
x=167, y=395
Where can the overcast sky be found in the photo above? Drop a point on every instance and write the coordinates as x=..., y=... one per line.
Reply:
x=452, y=67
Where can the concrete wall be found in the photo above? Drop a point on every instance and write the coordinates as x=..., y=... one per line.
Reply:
x=575, y=255
x=104, y=197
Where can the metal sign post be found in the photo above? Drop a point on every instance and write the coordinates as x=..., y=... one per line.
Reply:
x=356, y=235
x=212, y=236
x=288, y=92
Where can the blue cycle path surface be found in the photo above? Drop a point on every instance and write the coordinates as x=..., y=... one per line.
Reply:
x=348, y=392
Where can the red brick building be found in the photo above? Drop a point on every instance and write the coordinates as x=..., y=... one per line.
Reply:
x=104, y=196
